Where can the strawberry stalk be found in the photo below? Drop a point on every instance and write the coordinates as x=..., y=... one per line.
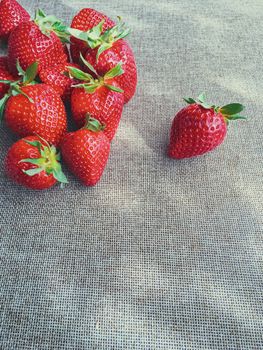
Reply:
x=91, y=37
x=90, y=83
x=48, y=162
x=230, y=111
x=93, y=124
x=95, y=39
x=48, y=24
x=120, y=31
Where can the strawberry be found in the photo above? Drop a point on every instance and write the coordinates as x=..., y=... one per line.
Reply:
x=4, y=63
x=86, y=152
x=33, y=163
x=4, y=75
x=200, y=127
x=107, y=50
x=56, y=77
x=31, y=108
x=39, y=41
x=11, y=15
x=99, y=97
x=85, y=20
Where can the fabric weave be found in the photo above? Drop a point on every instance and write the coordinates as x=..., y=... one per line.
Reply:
x=162, y=254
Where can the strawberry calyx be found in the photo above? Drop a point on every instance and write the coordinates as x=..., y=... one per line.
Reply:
x=120, y=31
x=95, y=39
x=91, y=84
x=48, y=162
x=29, y=75
x=26, y=78
x=230, y=111
x=91, y=37
x=48, y=24
x=93, y=124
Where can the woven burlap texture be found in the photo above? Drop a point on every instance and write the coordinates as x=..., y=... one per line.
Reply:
x=162, y=254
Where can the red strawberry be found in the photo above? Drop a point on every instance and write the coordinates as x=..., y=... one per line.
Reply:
x=4, y=75
x=200, y=127
x=86, y=152
x=11, y=15
x=56, y=77
x=120, y=51
x=107, y=50
x=99, y=97
x=85, y=20
x=33, y=163
x=34, y=108
x=37, y=41
x=44, y=115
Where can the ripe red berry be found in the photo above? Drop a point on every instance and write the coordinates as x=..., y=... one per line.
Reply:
x=200, y=127
x=108, y=49
x=86, y=152
x=85, y=20
x=33, y=163
x=11, y=15
x=99, y=97
x=45, y=114
x=37, y=41
x=31, y=108
x=120, y=51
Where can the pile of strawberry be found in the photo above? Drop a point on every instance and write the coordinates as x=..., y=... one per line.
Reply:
x=37, y=79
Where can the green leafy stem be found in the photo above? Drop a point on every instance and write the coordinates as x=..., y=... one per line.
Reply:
x=94, y=37
x=49, y=161
x=230, y=111
x=48, y=24
x=89, y=83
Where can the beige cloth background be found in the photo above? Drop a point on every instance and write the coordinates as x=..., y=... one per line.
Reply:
x=162, y=254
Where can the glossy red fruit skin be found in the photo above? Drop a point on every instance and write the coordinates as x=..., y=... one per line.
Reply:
x=4, y=75
x=104, y=105
x=28, y=45
x=85, y=20
x=196, y=131
x=4, y=63
x=14, y=169
x=119, y=52
x=55, y=77
x=11, y=15
x=45, y=117
x=86, y=154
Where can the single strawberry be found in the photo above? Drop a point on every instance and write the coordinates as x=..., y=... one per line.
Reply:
x=99, y=97
x=86, y=20
x=4, y=75
x=56, y=76
x=107, y=50
x=11, y=15
x=200, y=127
x=38, y=40
x=31, y=108
x=33, y=163
x=86, y=152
